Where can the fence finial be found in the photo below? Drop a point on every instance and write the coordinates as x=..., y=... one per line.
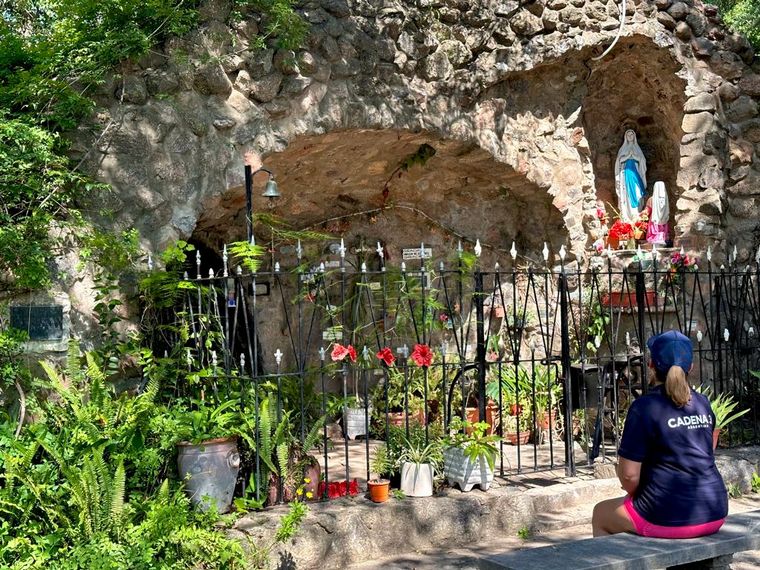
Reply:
x=709, y=253
x=225, y=258
x=239, y=270
x=299, y=250
x=150, y=262
x=342, y=249
x=276, y=266
x=403, y=267
x=198, y=264
x=211, y=273
x=545, y=252
x=322, y=353
x=735, y=253
x=562, y=253
x=459, y=248
x=380, y=251
x=321, y=266
x=364, y=267
x=242, y=362
x=726, y=335
x=513, y=251
x=478, y=249
x=496, y=267
x=278, y=356
x=700, y=336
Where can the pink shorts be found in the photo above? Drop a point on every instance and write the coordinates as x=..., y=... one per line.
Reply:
x=645, y=528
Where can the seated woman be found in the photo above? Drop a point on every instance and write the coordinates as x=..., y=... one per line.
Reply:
x=666, y=462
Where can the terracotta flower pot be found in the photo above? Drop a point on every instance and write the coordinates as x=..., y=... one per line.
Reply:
x=378, y=490
x=513, y=439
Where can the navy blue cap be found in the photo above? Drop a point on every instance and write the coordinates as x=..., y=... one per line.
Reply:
x=670, y=348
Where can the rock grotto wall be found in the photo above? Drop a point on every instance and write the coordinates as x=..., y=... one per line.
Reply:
x=509, y=83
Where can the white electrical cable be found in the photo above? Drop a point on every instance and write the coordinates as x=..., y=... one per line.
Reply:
x=617, y=37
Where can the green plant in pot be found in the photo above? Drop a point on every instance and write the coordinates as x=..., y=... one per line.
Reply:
x=723, y=406
x=469, y=455
x=208, y=458
x=419, y=461
x=379, y=486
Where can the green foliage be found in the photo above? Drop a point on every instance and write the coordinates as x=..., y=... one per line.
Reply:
x=756, y=483
x=524, y=533
x=723, y=406
x=79, y=486
x=734, y=491
x=282, y=23
x=742, y=16
x=381, y=463
x=475, y=444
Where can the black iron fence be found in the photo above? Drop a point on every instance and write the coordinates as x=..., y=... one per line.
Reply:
x=549, y=356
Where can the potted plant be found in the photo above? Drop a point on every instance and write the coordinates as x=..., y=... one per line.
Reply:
x=379, y=487
x=208, y=459
x=723, y=406
x=418, y=462
x=469, y=458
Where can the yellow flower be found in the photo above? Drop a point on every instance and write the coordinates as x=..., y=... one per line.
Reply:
x=299, y=492
x=306, y=480
x=309, y=495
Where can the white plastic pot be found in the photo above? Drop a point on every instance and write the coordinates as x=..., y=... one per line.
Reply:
x=459, y=470
x=356, y=422
x=417, y=479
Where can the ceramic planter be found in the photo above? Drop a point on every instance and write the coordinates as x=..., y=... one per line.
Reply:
x=459, y=470
x=378, y=490
x=513, y=438
x=417, y=479
x=355, y=423
x=210, y=471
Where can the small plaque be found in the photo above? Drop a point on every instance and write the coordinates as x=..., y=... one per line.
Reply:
x=332, y=334
x=416, y=253
x=375, y=285
x=332, y=264
x=41, y=322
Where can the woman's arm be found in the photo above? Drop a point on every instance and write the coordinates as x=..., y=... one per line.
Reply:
x=628, y=472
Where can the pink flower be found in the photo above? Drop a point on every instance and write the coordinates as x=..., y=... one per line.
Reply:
x=492, y=356
x=422, y=355
x=339, y=353
x=443, y=317
x=386, y=355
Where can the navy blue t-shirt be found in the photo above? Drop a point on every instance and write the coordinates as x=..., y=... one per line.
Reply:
x=679, y=484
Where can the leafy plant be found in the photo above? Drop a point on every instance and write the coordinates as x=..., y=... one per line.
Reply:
x=723, y=406
x=207, y=421
x=756, y=482
x=475, y=444
x=414, y=452
x=381, y=462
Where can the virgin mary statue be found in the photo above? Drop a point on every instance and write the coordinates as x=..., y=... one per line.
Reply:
x=630, y=177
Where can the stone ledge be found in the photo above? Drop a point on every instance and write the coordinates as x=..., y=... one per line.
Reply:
x=353, y=530
x=625, y=551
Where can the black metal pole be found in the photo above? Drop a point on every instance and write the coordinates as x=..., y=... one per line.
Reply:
x=248, y=202
x=481, y=345
x=565, y=335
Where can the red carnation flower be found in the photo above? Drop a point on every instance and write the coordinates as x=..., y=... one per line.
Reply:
x=339, y=352
x=386, y=355
x=422, y=355
x=351, y=353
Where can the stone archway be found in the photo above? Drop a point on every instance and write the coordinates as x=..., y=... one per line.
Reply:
x=398, y=187
x=635, y=87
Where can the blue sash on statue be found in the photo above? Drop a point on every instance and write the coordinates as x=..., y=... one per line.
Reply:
x=633, y=183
